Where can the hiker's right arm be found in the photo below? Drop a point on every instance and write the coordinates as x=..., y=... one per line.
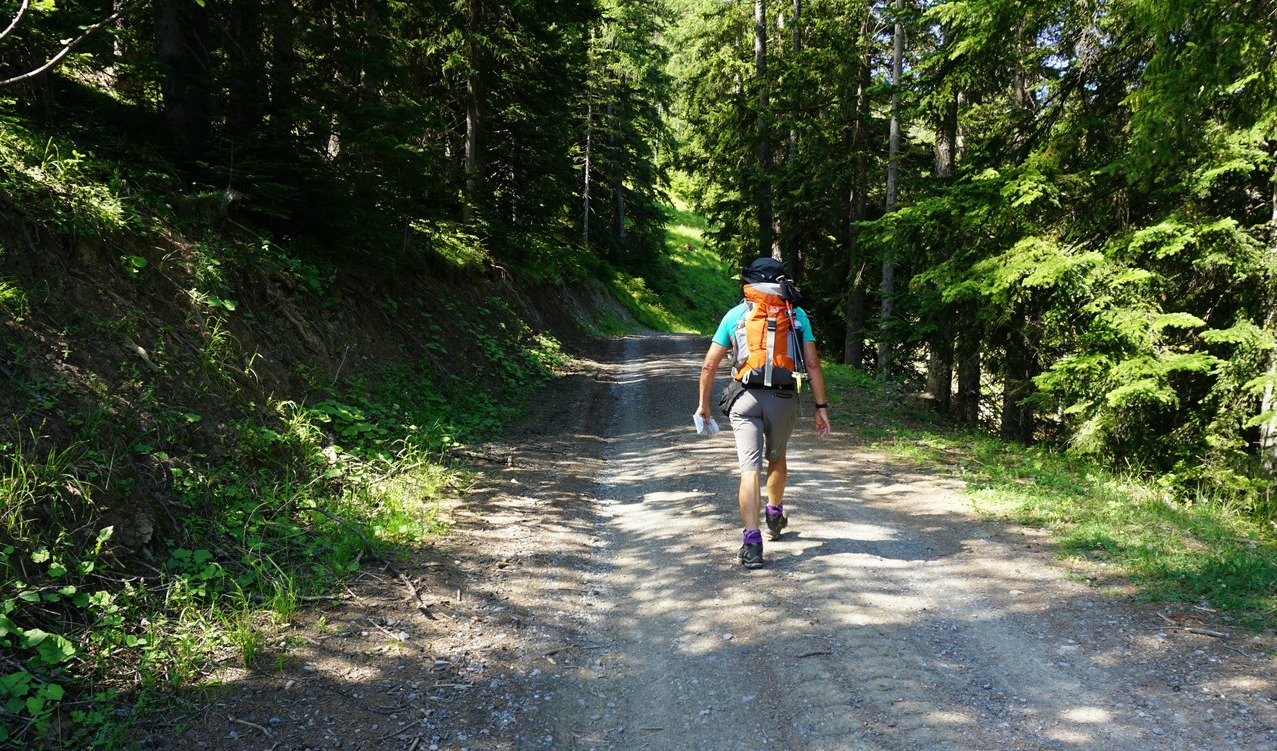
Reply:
x=713, y=358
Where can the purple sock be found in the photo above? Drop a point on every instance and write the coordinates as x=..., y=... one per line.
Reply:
x=775, y=510
x=753, y=537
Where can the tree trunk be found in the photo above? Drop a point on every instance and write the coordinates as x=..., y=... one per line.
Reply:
x=246, y=81
x=1020, y=367
x=947, y=138
x=940, y=367
x=181, y=28
x=940, y=353
x=283, y=67
x=1268, y=430
x=893, y=169
x=790, y=249
x=118, y=50
x=474, y=115
x=618, y=180
x=765, y=221
x=966, y=404
x=854, y=335
x=854, y=341
x=589, y=144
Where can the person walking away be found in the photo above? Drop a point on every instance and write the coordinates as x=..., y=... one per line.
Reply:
x=770, y=341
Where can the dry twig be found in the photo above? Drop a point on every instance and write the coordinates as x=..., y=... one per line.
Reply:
x=253, y=725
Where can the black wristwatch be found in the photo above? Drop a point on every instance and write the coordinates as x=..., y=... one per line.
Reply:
x=822, y=405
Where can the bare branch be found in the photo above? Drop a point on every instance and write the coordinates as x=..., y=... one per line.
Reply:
x=88, y=32
x=16, y=19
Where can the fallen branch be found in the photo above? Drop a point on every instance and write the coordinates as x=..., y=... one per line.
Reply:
x=816, y=652
x=507, y=460
x=412, y=588
x=70, y=46
x=146, y=358
x=319, y=598
x=1208, y=632
x=253, y=725
x=14, y=24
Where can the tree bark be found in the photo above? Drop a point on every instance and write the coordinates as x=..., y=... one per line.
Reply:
x=766, y=235
x=1268, y=430
x=940, y=353
x=893, y=169
x=474, y=115
x=966, y=406
x=854, y=334
x=790, y=250
x=246, y=82
x=283, y=67
x=181, y=28
x=1020, y=367
x=618, y=180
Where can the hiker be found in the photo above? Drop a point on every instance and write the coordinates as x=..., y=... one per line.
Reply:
x=771, y=341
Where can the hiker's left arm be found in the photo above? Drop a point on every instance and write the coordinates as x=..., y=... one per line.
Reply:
x=816, y=377
x=713, y=358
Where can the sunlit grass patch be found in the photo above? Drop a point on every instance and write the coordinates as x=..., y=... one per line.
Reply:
x=58, y=183
x=1172, y=550
x=689, y=289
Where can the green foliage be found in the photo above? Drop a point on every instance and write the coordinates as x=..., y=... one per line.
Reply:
x=73, y=191
x=688, y=290
x=31, y=694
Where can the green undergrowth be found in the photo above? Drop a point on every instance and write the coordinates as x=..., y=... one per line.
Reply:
x=171, y=497
x=686, y=290
x=1174, y=549
x=310, y=495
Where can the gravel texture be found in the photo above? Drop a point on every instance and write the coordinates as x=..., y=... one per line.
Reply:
x=588, y=598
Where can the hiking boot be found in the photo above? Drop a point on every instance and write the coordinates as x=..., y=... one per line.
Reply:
x=775, y=524
x=751, y=555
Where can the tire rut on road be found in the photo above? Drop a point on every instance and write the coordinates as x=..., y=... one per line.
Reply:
x=888, y=617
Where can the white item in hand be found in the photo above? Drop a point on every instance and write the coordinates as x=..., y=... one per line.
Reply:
x=703, y=426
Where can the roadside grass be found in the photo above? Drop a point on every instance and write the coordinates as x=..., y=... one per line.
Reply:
x=686, y=290
x=261, y=506
x=292, y=516
x=1202, y=552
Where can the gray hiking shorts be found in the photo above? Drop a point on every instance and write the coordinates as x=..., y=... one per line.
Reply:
x=763, y=419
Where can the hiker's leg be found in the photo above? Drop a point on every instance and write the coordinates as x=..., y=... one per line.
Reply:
x=750, y=497
x=777, y=472
x=747, y=428
x=780, y=414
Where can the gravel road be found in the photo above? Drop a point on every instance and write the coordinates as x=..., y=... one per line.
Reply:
x=589, y=598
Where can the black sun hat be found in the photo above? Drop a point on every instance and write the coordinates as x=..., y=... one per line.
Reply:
x=765, y=269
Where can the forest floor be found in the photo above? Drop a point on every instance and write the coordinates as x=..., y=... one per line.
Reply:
x=588, y=597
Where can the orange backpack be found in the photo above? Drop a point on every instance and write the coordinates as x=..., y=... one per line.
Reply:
x=766, y=347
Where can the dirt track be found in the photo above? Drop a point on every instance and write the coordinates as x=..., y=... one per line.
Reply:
x=589, y=599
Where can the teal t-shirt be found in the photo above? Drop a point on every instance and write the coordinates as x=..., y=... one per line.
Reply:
x=727, y=328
